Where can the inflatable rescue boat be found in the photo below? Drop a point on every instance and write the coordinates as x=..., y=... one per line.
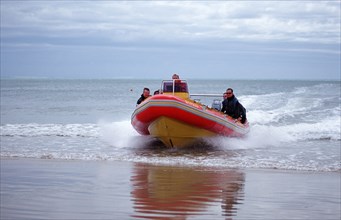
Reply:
x=177, y=120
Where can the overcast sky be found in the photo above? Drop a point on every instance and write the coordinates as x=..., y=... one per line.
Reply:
x=153, y=39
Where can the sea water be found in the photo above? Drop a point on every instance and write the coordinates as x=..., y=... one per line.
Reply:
x=294, y=125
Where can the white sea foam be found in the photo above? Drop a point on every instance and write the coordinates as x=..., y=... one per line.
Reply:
x=260, y=136
x=121, y=134
x=265, y=134
x=325, y=129
x=33, y=129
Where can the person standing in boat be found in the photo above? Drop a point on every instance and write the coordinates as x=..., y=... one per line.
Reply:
x=175, y=76
x=233, y=108
x=145, y=94
x=178, y=86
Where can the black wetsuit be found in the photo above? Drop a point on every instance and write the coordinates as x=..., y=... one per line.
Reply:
x=141, y=99
x=233, y=108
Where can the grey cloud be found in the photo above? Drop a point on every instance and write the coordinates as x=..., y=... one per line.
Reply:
x=259, y=20
x=254, y=39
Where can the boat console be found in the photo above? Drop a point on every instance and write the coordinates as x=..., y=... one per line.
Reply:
x=175, y=87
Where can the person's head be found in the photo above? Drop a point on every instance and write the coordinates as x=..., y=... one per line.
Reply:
x=175, y=76
x=229, y=92
x=156, y=92
x=225, y=95
x=146, y=92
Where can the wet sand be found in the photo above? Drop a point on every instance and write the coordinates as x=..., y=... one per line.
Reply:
x=60, y=189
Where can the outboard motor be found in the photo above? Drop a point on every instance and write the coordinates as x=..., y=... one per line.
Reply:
x=216, y=104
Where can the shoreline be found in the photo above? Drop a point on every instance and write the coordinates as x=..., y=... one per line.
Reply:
x=71, y=189
x=245, y=169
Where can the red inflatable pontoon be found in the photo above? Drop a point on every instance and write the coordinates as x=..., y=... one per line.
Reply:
x=177, y=120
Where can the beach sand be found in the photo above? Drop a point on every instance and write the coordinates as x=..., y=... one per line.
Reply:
x=70, y=189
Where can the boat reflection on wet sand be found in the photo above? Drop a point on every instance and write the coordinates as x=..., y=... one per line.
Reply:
x=162, y=192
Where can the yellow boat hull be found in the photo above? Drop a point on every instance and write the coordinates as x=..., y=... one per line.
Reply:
x=174, y=133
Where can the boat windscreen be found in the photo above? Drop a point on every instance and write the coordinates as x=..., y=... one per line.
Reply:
x=179, y=86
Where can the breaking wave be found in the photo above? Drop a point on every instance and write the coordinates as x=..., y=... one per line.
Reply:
x=297, y=129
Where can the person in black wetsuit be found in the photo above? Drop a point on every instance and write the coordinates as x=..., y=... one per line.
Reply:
x=233, y=108
x=145, y=94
